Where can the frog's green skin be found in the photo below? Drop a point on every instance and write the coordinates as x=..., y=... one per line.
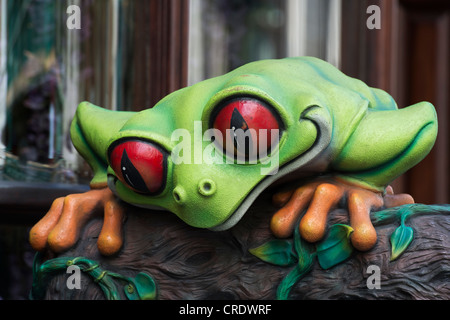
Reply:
x=333, y=124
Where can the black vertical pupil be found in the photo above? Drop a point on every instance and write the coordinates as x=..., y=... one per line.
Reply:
x=238, y=122
x=131, y=174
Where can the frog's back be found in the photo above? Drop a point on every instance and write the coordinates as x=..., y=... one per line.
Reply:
x=377, y=98
x=323, y=76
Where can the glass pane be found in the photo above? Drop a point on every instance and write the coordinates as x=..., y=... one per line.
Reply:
x=225, y=34
x=58, y=53
x=31, y=132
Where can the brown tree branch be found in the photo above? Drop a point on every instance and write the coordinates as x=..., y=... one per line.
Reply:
x=191, y=263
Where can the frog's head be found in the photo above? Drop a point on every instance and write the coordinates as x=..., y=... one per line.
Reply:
x=298, y=113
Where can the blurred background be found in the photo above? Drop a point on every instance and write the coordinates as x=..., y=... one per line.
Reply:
x=128, y=54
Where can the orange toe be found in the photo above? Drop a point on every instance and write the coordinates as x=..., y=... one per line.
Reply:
x=110, y=239
x=360, y=203
x=41, y=230
x=313, y=224
x=283, y=221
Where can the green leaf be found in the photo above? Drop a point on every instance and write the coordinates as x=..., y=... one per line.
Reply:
x=400, y=240
x=291, y=279
x=146, y=286
x=131, y=291
x=142, y=287
x=305, y=252
x=277, y=252
x=336, y=247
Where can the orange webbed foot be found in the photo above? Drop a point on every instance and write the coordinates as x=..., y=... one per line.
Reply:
x=319, y=198
x=60, y=228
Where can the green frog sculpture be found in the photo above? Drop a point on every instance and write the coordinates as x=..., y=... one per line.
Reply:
x=206, y=152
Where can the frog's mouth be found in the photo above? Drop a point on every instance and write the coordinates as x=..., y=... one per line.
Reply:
x=236, y=216
x=310, y=159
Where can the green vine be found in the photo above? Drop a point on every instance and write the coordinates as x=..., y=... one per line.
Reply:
x=336, y=247
x=141, y=287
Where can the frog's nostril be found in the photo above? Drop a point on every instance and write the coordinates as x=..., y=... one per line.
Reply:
x=179, y=194
x=207, y=187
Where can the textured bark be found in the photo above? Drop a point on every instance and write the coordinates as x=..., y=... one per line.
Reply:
x=190, y=263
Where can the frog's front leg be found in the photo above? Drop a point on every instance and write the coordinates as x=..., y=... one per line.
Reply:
x=60, y=227
x=320, y=198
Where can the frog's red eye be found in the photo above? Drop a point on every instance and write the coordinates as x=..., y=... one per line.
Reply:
x=140, y=165
x=247, y=126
